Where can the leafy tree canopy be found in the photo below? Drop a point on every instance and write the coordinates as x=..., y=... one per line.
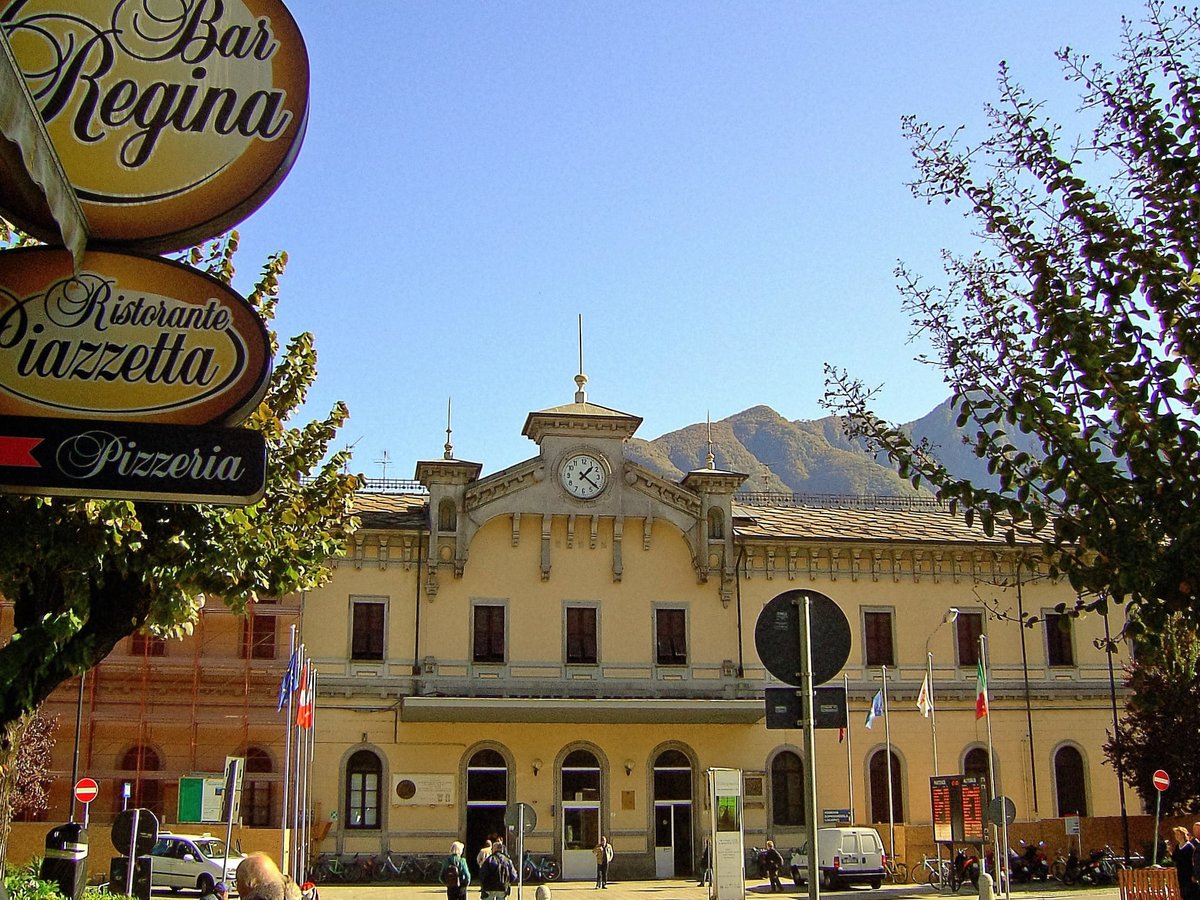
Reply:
x=83, y=574
x=1076, y=322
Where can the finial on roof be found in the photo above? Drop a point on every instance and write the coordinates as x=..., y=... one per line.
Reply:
x=709, y=460
x=449, y=454
x=580, y=379
x=383, y=462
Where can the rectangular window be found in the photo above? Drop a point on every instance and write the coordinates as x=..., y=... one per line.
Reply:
x=367, y=630
x=877, y=638
x=970, y=627
x=1059, y=649
x=489, y=634
x=144, y=644
x=670, y=633
x=581, y=635
x=258, y=637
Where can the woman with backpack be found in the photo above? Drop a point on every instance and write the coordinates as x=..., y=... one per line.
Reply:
x=454, y=874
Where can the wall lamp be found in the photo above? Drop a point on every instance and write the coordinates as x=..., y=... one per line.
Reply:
x=537, y=767
x=629, y=767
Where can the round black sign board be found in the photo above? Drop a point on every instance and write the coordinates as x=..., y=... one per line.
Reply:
x=1002, y=811
x=518, y=815
x=122, y=832
x=777, y=636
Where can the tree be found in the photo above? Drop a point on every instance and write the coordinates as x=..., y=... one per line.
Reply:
x=1076, y=323
x=83, y=574
x=1161, y=681
x=31, y=791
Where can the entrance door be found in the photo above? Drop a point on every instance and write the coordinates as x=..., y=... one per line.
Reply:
x=673, y=856
x=487, y=798
x=579, y=781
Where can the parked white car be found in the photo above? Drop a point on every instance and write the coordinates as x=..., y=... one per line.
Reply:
x=847, y=856
x=192, y=861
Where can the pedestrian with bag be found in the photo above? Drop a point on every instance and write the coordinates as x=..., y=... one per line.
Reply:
x=454, y=874
x=497, y=873
x=604, y=855
x=772, y=862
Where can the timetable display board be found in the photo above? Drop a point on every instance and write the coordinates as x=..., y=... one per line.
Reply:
x=958, y=803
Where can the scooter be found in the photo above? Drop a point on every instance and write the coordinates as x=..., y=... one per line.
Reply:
x=1035, y=861
x=964, y=868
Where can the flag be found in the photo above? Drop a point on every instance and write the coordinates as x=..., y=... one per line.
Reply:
x=876, y=709
x=290, y=679
x=841, y=735
x=304, y=705
x=981, y=698
x=924, y=701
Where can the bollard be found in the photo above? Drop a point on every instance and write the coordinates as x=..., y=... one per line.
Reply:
x=543, y=892
x=986, y=890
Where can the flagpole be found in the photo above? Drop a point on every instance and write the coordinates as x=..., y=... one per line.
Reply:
x=932, y=730
x=301, y=790
x=295, y=813
x=994, y=791
x=849, y=757
x=312, y=743
x=287, y=751
x=887, y=737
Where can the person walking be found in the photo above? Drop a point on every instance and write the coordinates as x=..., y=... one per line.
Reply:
x=772, y=862
x=706, y=874
x=454, y=873
x=604, y=855
x=497, y=873
x=219, y=891
x=1184, y=858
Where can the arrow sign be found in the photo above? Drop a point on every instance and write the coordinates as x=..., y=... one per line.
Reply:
x=1161, y=779
x=86, y=790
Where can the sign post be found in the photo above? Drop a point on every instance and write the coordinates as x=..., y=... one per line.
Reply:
x=1162, y=781
x=86, y=790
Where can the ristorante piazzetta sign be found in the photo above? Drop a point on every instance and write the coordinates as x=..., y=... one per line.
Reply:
x=173, y=119
x=127, y=337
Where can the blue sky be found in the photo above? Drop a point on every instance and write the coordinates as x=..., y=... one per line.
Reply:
x=719, y=188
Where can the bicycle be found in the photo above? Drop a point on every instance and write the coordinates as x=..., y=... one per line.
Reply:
x=544, y=869
x=330, y=868
x=894, y=870
x=932, y=870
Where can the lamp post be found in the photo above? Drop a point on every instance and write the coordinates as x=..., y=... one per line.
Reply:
x=951, y=615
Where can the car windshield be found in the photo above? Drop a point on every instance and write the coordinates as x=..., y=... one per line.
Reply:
x=211, y=847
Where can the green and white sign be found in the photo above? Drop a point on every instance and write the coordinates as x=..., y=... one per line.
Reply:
x=200, y=799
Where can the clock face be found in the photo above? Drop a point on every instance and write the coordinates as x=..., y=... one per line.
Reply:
x=583, y=476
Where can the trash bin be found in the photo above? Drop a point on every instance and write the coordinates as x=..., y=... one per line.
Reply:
x=65, y=861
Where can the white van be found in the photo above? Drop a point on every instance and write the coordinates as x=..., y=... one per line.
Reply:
x=848, y=856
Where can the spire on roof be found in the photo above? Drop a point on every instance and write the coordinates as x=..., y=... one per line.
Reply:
x=580, y=379
x=449, y=449
x=710, y=460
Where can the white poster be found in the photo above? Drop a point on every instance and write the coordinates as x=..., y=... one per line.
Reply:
x=725, y=823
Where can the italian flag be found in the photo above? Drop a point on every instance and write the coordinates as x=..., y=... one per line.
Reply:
x=981, y=698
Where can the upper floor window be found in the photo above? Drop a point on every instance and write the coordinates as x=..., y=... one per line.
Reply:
x=257, y=791
x=142, y=643
x=877, y=638
x=716, y=524
x=1059, y=649
x=489, y=634
x=670, y=635
x=970, y=627
x=364, y=777
x=258, y=637
x=581, y=635
x=367, y=629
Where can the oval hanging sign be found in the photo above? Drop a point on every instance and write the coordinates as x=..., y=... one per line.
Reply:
x=174, y=120
x=130, y=338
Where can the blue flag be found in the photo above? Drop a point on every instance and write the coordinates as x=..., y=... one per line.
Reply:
x=876, y=709
x=291, y=680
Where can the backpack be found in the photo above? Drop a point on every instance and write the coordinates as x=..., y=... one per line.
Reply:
x=496, y=873
x=451, y=877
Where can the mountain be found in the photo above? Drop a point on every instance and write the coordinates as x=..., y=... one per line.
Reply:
x=806, y=456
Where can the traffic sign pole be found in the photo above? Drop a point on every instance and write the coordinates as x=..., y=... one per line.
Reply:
x=1162, y=781
x=86, y=790
x=810, y=745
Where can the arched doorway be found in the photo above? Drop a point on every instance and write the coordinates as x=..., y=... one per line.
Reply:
x=579, y=783
x=145, y=790
x=672, y=815
x=487, y=797
x=1070, y=786
x=880, y=811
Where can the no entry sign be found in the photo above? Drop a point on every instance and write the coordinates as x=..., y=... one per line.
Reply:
x=1161, y=779
x=86, y=790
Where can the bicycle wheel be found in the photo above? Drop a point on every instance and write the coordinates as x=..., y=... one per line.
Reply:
x=1058, y=870
x=930, y=875
x=550, y=869
x=901, y=873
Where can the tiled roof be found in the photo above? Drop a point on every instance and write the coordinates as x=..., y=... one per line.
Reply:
x=391, y=510
x=885, y=523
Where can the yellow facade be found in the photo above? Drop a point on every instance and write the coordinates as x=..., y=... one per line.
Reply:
x=587, y=648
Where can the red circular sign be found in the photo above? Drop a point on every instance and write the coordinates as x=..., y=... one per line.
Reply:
x=1162, y=780
x=86, y=790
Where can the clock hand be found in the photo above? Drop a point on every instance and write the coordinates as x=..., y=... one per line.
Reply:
x=584, y=476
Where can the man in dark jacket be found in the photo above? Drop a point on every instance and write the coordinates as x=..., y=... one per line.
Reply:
x=772, y=862
x=497, y=873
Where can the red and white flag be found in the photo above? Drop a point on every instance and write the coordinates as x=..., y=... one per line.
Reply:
x=304, y=706
x=924, y=702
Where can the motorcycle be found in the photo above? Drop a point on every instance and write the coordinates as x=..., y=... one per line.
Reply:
x=964, y=868
x=1036, y=864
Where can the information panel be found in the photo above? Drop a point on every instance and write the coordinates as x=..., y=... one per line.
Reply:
x=958, y=803
x=725, y=807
